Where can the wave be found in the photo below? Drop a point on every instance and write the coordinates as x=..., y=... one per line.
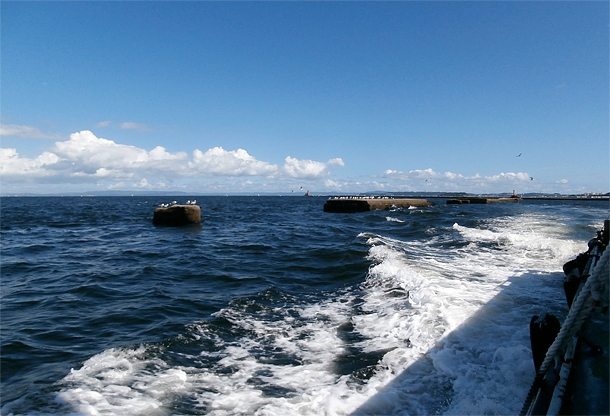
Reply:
x=438, y=324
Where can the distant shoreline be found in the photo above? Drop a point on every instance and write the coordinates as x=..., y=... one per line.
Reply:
x=569, y=198
x=594, y=197
x=553, y=198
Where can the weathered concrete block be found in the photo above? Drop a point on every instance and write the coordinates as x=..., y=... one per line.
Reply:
x=177, y=215
x=347, y=205
x=477, y=200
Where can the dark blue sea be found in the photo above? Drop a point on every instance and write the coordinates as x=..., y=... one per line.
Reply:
x=271, y=306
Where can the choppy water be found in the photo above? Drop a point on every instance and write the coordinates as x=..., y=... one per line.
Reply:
x=272, y=307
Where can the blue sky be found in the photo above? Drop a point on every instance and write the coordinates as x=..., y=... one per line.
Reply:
x=339, y=97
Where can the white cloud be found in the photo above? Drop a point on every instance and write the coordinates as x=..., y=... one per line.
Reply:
x=13, y=166
x=134, y=126
x=330, y=184
x=103, y=124
x=308, y=169
x=220, y=162
x=448, y=181
x=337, y=161
x=116, y=185
x=27, y=132
x=85, y=158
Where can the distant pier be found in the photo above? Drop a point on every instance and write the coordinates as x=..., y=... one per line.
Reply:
x=478, y=200
x=355, y=204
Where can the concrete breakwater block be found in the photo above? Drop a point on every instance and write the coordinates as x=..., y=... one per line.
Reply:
x=477, y=200
x=177, y=215
x=347, y=205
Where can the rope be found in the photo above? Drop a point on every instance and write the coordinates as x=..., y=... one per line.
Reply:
x=599, y=287
x=591, y=295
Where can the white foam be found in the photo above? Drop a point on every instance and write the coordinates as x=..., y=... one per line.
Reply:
x=450, y=326
x=467, y=312
x=392, y=219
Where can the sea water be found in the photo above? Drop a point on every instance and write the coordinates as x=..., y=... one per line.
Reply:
x=271, y=306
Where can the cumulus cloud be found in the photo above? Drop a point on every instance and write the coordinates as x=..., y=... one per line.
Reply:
x=26, y=132
x=220, y=162
x=449, y=181
x=85, y=158
x=12, y=165
x=91, y=156
x=309, y=169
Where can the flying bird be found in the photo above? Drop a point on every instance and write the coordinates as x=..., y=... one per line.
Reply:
x=519, y=155
x=531, y=179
